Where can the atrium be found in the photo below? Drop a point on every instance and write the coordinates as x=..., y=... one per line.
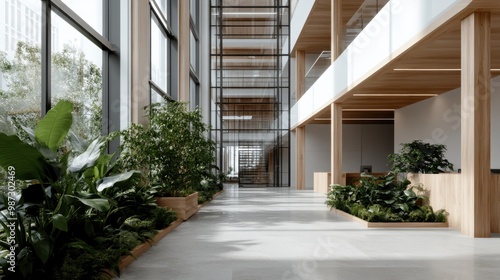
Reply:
x=278, y=119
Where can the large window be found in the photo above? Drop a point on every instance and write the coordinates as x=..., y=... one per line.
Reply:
x=20, y=66
x=69, y=58
x=76, y=75
x=194, y=54
x=159, y=56
x=162, y=45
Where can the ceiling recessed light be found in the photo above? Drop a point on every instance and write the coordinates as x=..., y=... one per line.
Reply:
x=394, y=95
x=368, y=110
x=237, y=118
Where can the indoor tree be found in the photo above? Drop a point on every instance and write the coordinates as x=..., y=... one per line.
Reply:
x=422, y=157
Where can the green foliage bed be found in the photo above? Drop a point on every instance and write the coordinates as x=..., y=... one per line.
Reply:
x=384, y=199
x=66, y=212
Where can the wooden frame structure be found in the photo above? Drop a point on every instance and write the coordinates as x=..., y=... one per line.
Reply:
x=460, y=49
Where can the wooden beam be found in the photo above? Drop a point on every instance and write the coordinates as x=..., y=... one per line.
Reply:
x=183, y=39
x=140, y=60
x=336, y=131
x=337, y=28
x=300, y=142
x=476, y=118
x=300, y=73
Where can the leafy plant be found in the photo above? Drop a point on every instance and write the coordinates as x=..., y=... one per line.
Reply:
x=418, y=156
x=173, y=152
x=61, y=206
x=384, y=199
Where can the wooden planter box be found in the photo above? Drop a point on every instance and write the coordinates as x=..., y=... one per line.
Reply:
x=185, y=207
x=388, y=224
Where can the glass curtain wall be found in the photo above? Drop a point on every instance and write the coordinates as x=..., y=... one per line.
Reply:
x=53, y=50
x=194, y=57
x=162, y=41
x=250, y=90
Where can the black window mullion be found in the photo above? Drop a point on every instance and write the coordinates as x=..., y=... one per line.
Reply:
x=162, y=21
x=83, y=27
x=46, y=57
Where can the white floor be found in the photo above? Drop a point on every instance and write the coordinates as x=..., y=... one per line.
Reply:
x=283, y=234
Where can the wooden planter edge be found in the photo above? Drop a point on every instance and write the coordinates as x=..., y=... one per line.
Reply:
x=141, y=249
x=388, y=224
x=213, y=197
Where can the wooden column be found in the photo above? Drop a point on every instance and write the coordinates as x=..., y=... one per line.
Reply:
x=476, y=93
x=184, y=63
x=336, y=130
x=300, y=73
x=337, y=28
x=300, y=132
x=336, y=109
x=300, y=142
x=140, y=60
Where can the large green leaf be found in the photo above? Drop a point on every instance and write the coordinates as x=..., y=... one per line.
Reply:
x=88, y=158
x=28, y=162
x=60, y=222
x=115, y=179
x=43, y=245
x=100, y=204
x=52, y=129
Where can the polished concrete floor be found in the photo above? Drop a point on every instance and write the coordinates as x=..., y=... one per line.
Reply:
x=283, y=234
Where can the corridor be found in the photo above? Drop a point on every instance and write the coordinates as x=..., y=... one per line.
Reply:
x=283, y=234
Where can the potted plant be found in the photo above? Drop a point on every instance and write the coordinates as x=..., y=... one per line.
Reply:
x=173, y=154
x=418, y=156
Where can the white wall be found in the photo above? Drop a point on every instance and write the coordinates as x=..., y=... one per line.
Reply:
x=367, y=144
x=317, y=151
x=437, y=120
x=362, y=144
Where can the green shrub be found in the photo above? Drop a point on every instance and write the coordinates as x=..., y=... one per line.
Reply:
x=162, y=217
x=383, y=199
x=172, y=152
x=418, y=156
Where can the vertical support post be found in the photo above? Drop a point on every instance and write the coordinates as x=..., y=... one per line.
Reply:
x=140, y=60
x=300, y=132
x=111, y=73
x=336, y=29
x=46, y=57
x=336, y=130
x=336, y=109
x=184, y=63
x=300, y=140
x=476, y=118
x=300, y=73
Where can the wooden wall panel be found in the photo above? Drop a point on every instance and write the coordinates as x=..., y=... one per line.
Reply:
x=322, y=182
x=495, y=203
x=445, y=192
